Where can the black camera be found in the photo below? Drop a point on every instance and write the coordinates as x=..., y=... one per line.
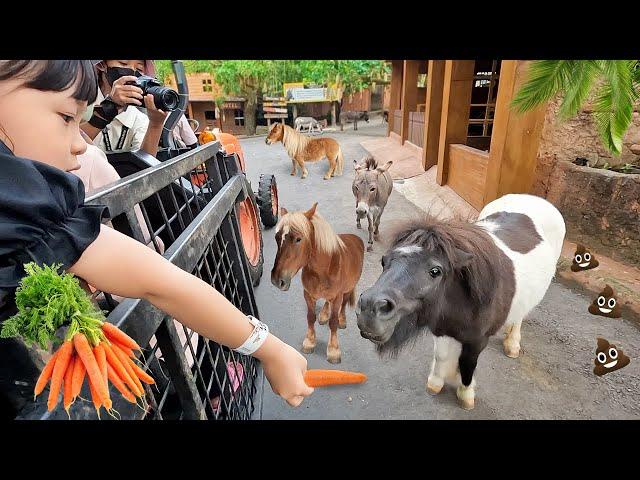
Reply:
x=163, y=97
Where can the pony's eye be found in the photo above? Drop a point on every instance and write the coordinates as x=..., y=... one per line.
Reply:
x=601, y=301
x=611, y=302
x=298, y=240
x=434, y=272
x=578, y=258
x=372, y=189
x=587, y=257
x=613, y=353
x=382, y=262
x=602, y=358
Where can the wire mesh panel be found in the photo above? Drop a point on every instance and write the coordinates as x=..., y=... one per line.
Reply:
x=185, y=209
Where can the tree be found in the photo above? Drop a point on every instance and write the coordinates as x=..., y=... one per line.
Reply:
x=614, y=85
x=247, y=78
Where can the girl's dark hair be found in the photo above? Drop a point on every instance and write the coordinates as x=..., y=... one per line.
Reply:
x=54, y=76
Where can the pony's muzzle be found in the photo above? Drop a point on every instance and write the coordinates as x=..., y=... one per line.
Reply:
x=266, y=140
x=372, y=312
x=282, y=283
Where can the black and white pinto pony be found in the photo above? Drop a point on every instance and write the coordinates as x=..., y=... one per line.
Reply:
x=463, y=282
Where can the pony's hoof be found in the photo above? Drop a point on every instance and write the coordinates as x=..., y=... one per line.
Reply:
x=359, y=226
x=293, y=174
x=434, y=389
x=327, y=177
x=511, y=351
x=334, y=357
x=308, y=347
x=466, y=397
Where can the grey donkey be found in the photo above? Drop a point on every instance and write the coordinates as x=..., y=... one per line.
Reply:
x=372, y=187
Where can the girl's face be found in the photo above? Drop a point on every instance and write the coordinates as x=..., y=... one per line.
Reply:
x=42, y=126
x=137, y=65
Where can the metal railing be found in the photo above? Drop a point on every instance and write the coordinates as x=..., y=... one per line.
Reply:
x=189, y=202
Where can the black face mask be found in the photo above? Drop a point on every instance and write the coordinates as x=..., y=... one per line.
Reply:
x=114, y=73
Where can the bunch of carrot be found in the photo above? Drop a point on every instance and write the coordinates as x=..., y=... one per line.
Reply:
x=110, y=359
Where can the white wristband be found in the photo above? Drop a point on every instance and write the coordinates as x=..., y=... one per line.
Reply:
x=256, y=339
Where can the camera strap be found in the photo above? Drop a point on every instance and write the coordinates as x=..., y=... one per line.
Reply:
x=119, y=145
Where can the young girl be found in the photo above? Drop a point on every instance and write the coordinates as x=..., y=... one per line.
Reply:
x=43, y=218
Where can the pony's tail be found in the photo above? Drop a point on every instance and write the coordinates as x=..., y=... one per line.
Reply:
x=340, y=161
x=352, y=298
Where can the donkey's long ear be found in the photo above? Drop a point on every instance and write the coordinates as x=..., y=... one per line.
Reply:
x=283, y=211
x=385, y=167
x=356, y=165
x=311, y=212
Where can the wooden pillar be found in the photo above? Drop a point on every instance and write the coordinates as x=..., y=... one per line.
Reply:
x=456, y=101
x=190, y=110
x=395, y=94
x=432, y=113
x=409, y=101
x=515, y=138
x=295, y=111
x=333, y=114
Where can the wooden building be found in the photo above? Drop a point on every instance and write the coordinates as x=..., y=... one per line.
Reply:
x=203, y=92
x=457, y=114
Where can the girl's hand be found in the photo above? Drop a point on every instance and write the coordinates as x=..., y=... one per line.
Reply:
x=125, y=95
x=284, y=367
x=156, y=116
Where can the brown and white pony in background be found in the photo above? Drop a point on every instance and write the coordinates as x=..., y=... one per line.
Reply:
x=303, y=149
x=463, y=282
x=331, y=267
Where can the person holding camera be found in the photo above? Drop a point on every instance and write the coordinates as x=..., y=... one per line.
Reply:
x=116, y=123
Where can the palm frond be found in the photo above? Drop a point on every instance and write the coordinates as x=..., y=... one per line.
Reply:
x=545, y=79
x=614, y=102
x=577, y=89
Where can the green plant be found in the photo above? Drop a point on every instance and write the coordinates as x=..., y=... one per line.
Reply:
x=614, y=84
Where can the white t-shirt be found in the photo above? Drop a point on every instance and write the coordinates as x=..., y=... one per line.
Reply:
x=125, y=132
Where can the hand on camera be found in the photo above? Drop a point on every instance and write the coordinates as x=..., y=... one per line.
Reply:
x=124, y=94
x=156, y=116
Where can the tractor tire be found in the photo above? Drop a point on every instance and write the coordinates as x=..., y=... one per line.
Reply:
x=268, y=200
x=251, y=236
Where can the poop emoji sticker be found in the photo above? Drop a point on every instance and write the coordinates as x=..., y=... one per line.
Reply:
x=609, y=358
x=606, y=305
x=583, y=260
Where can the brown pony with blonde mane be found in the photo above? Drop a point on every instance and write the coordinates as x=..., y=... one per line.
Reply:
x=303, y=149
x=331, y=267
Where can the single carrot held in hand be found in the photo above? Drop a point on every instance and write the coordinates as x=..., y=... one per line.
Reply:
x=68, y=390
x=78, y=377
x=59, y=369
x=93, y=371
x=45, y=375
x=114, y=333
x=119, y=384
x=324, y=378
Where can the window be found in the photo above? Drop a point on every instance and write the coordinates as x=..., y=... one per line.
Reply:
x=483, y=98
x=239, y=118
x=207, y=86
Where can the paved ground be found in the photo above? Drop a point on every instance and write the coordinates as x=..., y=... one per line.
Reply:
x=552, y=379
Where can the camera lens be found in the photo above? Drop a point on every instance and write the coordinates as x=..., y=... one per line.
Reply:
x=164, y=98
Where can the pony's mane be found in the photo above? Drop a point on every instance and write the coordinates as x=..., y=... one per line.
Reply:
x=452, y=238
x=294, y=142
x=324, y=236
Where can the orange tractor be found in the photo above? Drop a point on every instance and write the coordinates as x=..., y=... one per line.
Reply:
x=266, y=203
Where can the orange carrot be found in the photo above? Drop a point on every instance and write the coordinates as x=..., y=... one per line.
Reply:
x=97, y=402
x=101, y=358
x=124, y=348
x=141, y=374
x=59, y=369
x=68, y=395
x=45, y=375
x=78, y=377
x=114, y=333
x=119, y=384
x=124, y=360
x=93, y=370
x=323, y=378
x=122, y=372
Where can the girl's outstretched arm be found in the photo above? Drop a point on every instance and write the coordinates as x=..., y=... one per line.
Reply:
x=120, y=265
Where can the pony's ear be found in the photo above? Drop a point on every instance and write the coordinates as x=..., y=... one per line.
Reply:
x=385, y=167
x=311, y=212
x=283, y=211
x=462, y=258
x=356, y=165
